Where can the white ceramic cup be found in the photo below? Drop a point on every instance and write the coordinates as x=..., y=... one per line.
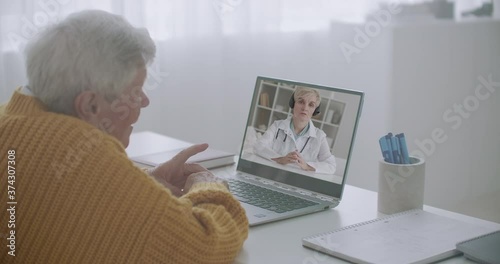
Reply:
x=401, y=186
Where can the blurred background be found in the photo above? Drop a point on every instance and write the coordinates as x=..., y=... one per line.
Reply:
x=430, y=69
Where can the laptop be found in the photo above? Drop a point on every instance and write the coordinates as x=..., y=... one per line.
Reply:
x=270, y=191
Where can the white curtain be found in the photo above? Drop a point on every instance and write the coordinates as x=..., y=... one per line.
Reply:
x=165, y=19
x=189, y=20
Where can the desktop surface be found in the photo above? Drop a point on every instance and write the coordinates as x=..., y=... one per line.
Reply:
x=281, y=242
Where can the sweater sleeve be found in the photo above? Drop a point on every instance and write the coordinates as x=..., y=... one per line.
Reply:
x=206, y=225
x=325, y=162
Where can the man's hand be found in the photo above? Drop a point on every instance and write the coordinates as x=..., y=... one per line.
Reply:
x=174, y=173
x=201, y=177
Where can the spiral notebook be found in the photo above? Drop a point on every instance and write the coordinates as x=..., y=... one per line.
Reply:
x=482, y=249
x=414, y=236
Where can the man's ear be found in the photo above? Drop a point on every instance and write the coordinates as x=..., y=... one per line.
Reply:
x=87, y=106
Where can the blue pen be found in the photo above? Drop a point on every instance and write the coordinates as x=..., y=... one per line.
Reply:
x=389, y=145
x=395, y=150
x=404, y=148
x=384, y=148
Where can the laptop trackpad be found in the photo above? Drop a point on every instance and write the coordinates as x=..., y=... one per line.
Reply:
x=256, y=212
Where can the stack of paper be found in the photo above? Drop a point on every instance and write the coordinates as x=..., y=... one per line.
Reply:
x=210, y=158
x=414, y=236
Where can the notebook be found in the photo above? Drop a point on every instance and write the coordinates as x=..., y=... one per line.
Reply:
x=482, y=249
x=414, y=236
x=210, y=158
x=270, y=191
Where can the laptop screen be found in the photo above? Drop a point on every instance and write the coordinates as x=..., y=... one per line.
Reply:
x=301, y=134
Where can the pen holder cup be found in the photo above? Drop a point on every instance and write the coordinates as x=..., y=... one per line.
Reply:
x=401, y=186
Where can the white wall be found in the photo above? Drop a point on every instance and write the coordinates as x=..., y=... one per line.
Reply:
x=14, y=74
x=437, y=66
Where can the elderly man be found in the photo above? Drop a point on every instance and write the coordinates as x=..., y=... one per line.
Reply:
x=73, y=195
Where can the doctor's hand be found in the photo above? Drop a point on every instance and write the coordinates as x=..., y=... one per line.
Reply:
x=294, y=157
x=302, y=163
x=291, y=157
x=174, y=173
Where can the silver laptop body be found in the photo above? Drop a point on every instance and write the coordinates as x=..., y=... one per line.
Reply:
x=269, y=191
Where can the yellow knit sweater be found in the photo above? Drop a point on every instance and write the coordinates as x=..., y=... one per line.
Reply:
x=79, y=199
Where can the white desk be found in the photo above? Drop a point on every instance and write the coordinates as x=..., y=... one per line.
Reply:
x=280, y=242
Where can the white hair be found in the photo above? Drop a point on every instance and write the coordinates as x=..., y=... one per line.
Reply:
x=89, y=50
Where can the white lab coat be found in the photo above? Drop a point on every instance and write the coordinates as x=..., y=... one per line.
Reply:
x=278, y=141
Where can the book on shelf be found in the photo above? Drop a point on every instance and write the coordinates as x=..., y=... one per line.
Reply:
x=264, y=99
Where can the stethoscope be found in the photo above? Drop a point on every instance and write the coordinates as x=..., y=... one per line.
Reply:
x=286, y=135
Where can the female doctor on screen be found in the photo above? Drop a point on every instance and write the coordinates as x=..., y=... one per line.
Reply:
x=296, y=140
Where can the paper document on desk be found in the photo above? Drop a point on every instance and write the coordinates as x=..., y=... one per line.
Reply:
x=210, y=158
x=414, y=236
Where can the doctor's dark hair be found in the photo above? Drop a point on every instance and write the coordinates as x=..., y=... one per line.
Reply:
x=302, y=92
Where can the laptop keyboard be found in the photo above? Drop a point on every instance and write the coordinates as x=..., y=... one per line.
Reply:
x=265, y=198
